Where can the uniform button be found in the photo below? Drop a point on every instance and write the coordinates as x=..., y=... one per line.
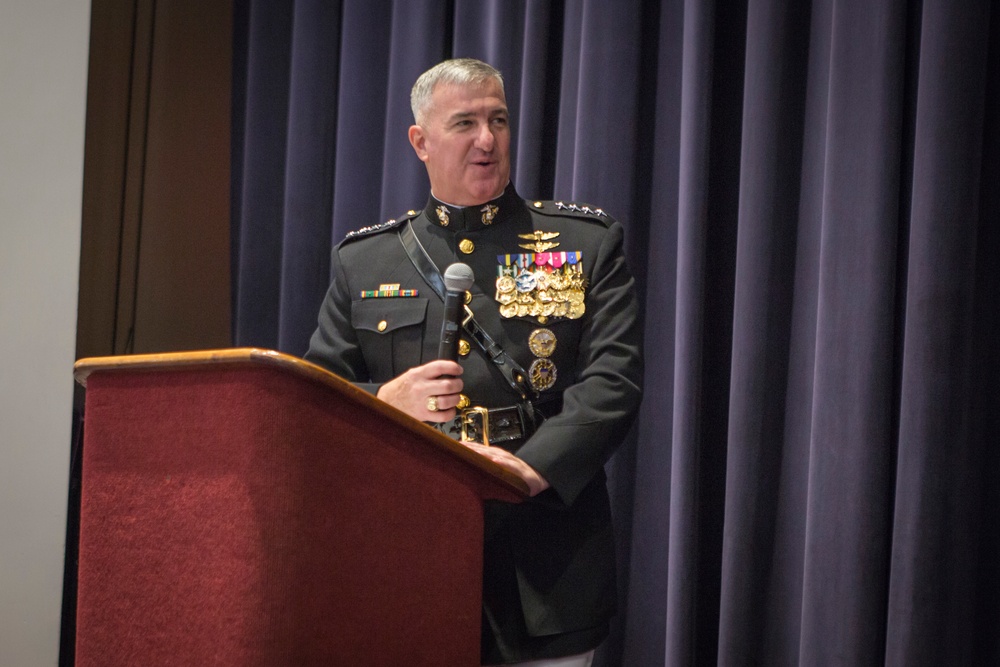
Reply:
x=538, y=204
x=464, y=348
x=411, y=212
x=468, y=297
x=382, y=325
x=466, y=246
x=463, y=402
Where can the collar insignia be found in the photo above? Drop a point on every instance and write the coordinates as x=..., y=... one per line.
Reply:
x=442, y=213
x=489, y=212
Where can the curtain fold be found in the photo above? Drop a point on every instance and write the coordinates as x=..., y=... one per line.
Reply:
x=934, y=534
x=850, y=452
x=809, y=191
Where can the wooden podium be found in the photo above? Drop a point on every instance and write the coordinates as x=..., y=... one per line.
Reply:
x=244, y=507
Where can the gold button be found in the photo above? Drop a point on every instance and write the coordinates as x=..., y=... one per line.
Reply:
x=382, y=325
x=466, y=246
x=468, y=297
x=411, y=212
x=464, y=348
x=542, y=319
x=463, y=402
x=538, y=204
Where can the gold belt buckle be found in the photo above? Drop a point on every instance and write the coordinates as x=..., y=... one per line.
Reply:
x=468, y=415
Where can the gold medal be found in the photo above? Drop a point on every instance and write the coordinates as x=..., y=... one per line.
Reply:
x=542, y=342
x=541, y=280
x=525, y=282
x=576, y=311
x=505, y=297
x=508, y=310
x=542, y=374
x=522, y=310
x=505, y=284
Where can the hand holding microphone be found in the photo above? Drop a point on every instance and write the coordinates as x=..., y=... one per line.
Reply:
x=430, y=392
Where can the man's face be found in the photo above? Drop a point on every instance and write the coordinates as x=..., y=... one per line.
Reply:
x=464, y=141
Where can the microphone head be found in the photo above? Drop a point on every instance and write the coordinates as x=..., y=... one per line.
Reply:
x=458, y=277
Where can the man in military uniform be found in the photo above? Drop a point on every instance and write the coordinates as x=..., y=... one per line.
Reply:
x=553, y=355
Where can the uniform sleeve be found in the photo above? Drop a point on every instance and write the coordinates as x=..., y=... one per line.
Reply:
x=334, y=345
x=571, y=447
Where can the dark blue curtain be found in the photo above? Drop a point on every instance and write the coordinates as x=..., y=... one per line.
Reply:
x=811, y=193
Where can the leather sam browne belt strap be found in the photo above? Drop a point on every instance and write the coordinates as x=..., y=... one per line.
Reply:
x=493, y=425
x=515, y=375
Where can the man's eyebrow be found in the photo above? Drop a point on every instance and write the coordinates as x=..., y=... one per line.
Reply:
x=459, y=115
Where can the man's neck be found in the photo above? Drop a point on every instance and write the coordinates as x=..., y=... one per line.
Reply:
x=450, y=205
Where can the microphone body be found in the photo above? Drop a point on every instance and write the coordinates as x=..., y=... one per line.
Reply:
x=458, y=278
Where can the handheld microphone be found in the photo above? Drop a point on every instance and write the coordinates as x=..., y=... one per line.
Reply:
x=457, y=279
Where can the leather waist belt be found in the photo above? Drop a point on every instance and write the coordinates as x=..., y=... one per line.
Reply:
x=493, y=426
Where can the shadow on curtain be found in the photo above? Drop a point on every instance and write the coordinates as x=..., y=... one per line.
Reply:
x=810, y=191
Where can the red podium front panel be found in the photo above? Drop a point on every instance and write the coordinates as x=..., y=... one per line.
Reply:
x=247, y=508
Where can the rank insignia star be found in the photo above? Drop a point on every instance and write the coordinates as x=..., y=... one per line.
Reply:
x=580, y=209
x=541, y=241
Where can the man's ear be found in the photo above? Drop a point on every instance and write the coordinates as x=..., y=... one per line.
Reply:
x=418, y=140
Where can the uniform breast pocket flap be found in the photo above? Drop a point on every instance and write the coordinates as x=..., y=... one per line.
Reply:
x=390, y=332
x=387, y=315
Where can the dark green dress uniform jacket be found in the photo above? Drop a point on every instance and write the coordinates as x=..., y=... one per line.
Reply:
x=549, y=574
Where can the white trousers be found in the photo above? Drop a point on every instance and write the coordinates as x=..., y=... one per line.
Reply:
x=581, y=660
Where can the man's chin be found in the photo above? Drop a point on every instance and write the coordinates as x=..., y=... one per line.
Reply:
x=473, y=194
x=484, y=192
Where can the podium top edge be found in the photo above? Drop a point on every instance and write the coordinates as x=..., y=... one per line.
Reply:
x=83, y=368
x=126, y=362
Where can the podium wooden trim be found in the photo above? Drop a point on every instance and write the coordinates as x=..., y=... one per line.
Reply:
x=243, y=506
x=200, y=359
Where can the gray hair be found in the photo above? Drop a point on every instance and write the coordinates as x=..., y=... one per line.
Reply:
x=461, y=71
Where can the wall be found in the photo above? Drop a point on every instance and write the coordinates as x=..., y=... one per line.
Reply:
x=154, y=262
x=43, y=76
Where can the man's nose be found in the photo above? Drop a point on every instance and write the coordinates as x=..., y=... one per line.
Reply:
x=485, y=138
